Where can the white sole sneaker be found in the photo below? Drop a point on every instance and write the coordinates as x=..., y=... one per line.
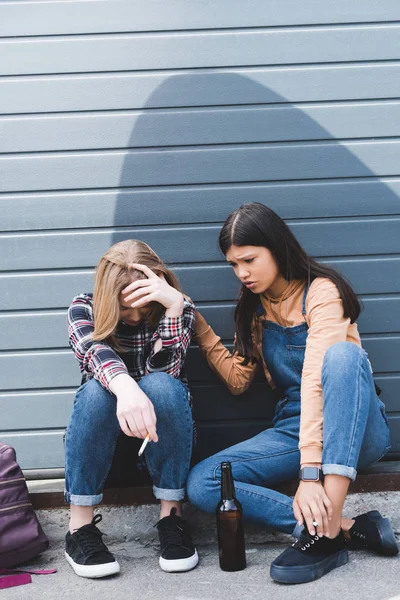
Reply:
x=94, y=571
x=179, y=564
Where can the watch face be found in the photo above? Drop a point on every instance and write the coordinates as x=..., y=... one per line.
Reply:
x=310, y=474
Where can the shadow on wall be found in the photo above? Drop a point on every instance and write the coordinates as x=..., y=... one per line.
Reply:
x=185, y=149
x=204, y=150
x=201, y=153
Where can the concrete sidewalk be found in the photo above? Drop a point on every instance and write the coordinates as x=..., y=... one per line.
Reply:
x=133, y=539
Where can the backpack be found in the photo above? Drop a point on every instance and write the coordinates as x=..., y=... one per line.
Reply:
x=21, y=535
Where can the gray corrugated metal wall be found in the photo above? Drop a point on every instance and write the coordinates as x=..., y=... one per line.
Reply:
x=154, y=120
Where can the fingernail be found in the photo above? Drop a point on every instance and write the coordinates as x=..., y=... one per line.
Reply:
x=312, y=532
x=299, y=523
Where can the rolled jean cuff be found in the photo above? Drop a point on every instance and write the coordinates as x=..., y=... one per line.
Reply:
x=163, y=494
x=342, y=470
x=80, y=500
x=297, y=530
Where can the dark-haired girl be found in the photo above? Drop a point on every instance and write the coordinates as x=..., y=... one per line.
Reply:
x=297, y=318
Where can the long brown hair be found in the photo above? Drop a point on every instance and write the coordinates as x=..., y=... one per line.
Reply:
x=113, y=273
x=255, y=224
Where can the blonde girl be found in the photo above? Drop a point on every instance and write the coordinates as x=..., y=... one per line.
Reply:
x=130, y=338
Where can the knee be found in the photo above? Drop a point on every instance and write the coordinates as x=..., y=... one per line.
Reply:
x=158, y=383
x=164, y=391
x=94, y=402
x=202, y=487
x=342, y=355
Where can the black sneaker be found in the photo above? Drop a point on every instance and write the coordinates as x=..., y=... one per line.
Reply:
x=87, y=554
x=177, y=550
x=371, y=531
x=309, y=558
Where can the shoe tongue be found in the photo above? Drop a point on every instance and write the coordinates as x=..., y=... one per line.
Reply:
x=173, y=517
x=171, y=520
x=92, y=528
x=306, y=535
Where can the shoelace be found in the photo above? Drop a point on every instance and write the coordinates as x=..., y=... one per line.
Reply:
x=305, y=542
x=89, y=538
x=172, y=535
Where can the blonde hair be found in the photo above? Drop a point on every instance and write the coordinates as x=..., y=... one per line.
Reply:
x=113, y=273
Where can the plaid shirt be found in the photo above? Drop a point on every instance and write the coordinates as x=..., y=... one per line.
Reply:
x=99, y=360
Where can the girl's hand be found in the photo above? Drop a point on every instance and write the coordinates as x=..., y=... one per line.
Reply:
x=135, y=411
x=153, y=289
x=310, y=505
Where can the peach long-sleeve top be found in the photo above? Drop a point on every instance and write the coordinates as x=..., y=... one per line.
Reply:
x=326, y=326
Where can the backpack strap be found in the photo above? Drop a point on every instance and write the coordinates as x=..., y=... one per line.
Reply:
x=20, y=576
x=14, y=580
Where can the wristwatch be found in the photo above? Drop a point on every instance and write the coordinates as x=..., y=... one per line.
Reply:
x=311, y=474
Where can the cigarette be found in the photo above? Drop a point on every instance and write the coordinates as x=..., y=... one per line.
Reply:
x=143, y=446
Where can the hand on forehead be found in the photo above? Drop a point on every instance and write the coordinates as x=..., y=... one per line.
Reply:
x=135, y=275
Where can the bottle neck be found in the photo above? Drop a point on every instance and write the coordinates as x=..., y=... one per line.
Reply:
x=227, y=485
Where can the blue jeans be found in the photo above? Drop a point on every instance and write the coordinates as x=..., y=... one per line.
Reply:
x=93, y=431
x=355, y=434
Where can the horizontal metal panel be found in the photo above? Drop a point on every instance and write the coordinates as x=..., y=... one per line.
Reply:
x=192, y=244
x=37, y=450
x=24, y=291
x=195, y=127
x=371, y=276
x=213, y=164
x=133, y=52
x=84, y=16
x=203, y=204
x=49, y=369
x=42, y=290
x=36, y=330
x=24, y=331
x=390, y=385
x=394, y=426
x=214, y=402
x=198, y=88
x=53, y=369
x=384, y=352
x=84, y=249
x=214, y=437
x=41, y=409
x=380, y=315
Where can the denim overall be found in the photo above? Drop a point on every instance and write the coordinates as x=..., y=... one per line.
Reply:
x=355, y=431
x=283, y=351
